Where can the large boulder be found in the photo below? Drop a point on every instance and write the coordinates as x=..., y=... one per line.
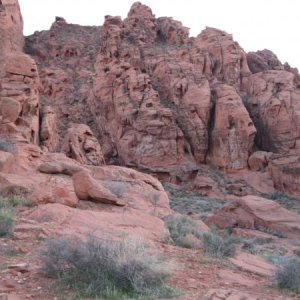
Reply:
x=257, y=213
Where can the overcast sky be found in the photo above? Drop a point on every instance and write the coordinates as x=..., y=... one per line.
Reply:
x=255, y=24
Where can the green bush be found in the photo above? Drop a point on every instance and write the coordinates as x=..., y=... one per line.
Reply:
x=184, y=231
x=288, y=275
x=216, y=245
x=6, y=223
x=105, y=268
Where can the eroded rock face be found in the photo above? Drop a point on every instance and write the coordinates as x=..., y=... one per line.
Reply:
x=263, y=60
x=285, y=173
x=80, y=144
x=150, y=96
x=233, y=131
x=19, y=98
x=273, y=103
x=225, y=59
x=11, y=29
x=48, y=130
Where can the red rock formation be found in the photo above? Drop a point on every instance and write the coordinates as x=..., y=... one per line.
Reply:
x=273, y=105
x=224, y=60
x=263, y=61
x=233, y=131
x=284, y=169
x=19, y=98
x=11, y=29
x=48, y=133
x=80, y=144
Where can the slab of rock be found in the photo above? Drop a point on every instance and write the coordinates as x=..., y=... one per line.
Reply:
x=87, y=188
x=254, y=212
x=253, y=264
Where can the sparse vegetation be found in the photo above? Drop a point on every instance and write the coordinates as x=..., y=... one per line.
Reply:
x=5, y=145
x=105, y=268
x=8, y=205
x=216, y=245
x=184, y=231
x=191, y=203
x=285, y=200
x=6, y=223
x=14, y=200
x=288, y=275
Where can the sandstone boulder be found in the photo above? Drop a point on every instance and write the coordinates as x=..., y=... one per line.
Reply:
x=258, y=161
x=254, y=212
x=87, y=188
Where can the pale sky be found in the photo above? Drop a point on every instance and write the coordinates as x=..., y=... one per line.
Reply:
x=255, y=24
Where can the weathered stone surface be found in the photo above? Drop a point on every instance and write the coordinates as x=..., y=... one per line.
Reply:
x=258, y=161
x=253, y=264
x=80, y=144
x=6, y=161
x=273, y=105
x=48, y=129
x=284, y=170
x=87, y=188
x=19, y=98
x=11, y=29
x=225, y=59
x=58, y=163
x=257, y=213
x=233, y=132
x=263, y=60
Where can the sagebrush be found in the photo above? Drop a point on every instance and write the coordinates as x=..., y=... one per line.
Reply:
x=102, y=268
x=216, y=245
x=288, y=275
x=184, y=231
x=6, y=223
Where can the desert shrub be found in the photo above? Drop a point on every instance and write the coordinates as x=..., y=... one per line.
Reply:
x=184, y=231
x=14, y=200
x=216, y=245
x=6, y=223
x=288, y=275
x=5, y=146
x=103, y=268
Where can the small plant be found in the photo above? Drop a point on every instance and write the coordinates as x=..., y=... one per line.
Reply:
x=14, y=200
x=216, y=245
x=288, y=275
x=106, y=268
x=5, y=146
x=6, y=223
x=184, y=231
